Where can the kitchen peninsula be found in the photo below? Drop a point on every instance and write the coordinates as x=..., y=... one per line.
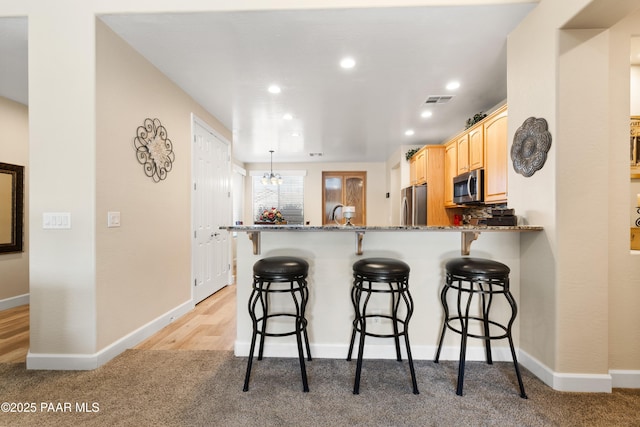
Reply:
x=331, y=252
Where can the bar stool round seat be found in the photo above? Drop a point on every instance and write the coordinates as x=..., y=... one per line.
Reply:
x=473, y=278
x=374, y=276
x=278, y=275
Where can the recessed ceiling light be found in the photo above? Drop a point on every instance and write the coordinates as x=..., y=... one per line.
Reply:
x=409, y=132
x=274, y=89
x=295, y=134
x=287, y=116
x=348, y=63
x=453, y=85
x=426, y=114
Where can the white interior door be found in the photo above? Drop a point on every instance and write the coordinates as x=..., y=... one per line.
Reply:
x=211, y=209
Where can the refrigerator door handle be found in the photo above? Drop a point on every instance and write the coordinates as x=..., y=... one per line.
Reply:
x=404, y=211
x=414, y=207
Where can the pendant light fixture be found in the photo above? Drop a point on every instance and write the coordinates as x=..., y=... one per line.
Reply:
x=272, y=178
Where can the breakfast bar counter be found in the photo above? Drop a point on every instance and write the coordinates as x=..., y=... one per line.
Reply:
x=468, y=233
x=330, y=252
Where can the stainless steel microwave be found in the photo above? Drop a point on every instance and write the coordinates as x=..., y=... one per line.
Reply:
x=468, y=188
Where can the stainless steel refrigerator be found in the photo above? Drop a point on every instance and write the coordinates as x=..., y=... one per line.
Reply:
x=414, y=205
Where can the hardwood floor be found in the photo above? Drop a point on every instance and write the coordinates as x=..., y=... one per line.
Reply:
x=211, y=325
x=14, y=334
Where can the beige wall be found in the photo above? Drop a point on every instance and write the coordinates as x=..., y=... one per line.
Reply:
x=634, y=188
x=14, y=149
x=579, y=280
x=143, y=268
x=624, y=268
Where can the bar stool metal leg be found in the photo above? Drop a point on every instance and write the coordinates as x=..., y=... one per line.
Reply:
x=484, y=279
x=279, y=275
x=253, y=300
x=514, y=312
x=381, y=276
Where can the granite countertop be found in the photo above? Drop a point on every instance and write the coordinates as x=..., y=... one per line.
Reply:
x=460, y=228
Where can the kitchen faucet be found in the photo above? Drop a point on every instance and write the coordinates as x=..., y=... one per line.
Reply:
x=333, y=213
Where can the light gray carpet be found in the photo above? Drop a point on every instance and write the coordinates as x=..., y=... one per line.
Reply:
x=204, y=388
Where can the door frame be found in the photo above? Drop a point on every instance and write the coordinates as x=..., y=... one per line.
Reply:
x=200, y=122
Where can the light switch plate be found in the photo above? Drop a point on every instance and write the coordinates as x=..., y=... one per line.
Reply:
x=56, y=220
x=113, y=219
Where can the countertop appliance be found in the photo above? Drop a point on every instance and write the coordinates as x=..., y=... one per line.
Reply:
x=468, y=188
x=414, y=205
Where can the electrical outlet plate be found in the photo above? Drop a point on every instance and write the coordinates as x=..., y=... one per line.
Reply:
x=113, y=219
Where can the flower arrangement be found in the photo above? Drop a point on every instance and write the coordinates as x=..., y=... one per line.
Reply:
x=271, y=215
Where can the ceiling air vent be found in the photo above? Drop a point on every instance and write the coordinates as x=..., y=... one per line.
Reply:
x=438, y=99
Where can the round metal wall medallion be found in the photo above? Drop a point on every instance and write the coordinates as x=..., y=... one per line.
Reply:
x=154, y=150
x=531, y=144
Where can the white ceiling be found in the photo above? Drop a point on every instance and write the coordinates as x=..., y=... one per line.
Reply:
x=226, y=60
x=13, y=59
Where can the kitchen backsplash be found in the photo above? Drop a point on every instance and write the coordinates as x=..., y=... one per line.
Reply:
x=473, y=214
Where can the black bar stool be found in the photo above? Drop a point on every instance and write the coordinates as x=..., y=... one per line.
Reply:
x=381, y=276
x=485, y=278
x=279, y=274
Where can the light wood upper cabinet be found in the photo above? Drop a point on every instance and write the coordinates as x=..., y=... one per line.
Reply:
x=413, y=171
x=495, y=160
x=476, y=148
x=470, y=150
x=418, y=167
x=463, y=154
x=421, y=166
x=450, y=171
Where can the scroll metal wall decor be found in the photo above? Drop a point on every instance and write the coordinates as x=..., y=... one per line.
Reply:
x=154, y=150
x=531, y=144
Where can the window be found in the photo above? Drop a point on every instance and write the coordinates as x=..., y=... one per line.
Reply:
x=288, y=197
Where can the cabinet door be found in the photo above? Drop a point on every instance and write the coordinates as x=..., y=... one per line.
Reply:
x=476, y=148
x=413, y=171
x=495, y=177
x=421, y=166
x=347, y=189
x=463, y=154
x=450, y=171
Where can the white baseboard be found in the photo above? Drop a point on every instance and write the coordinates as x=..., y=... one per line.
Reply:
x=92, y=361
x=8, y=303
x=625, y=378
x=584, y=383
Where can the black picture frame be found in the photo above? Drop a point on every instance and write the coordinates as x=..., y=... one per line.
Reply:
x=11, y=208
